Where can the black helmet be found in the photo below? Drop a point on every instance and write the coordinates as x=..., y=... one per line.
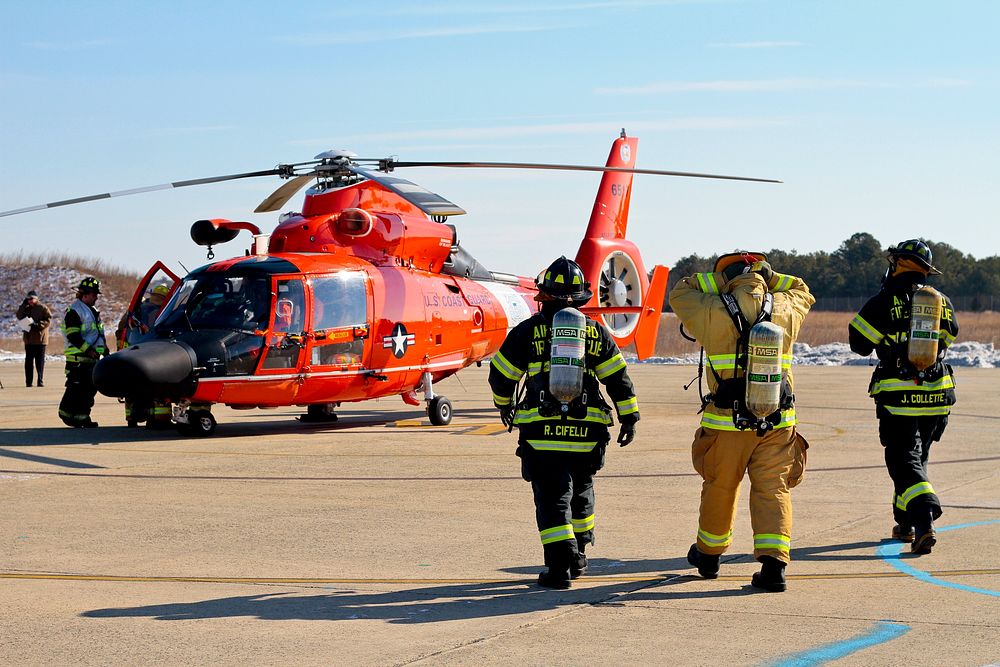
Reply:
x=916, y=250
x=564, y=281
x=89, y=284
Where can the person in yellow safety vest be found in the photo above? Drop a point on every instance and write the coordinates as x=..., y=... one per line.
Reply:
x=561, y=451
x=133, y=326
x=85, y=345
x=912, y=406
x=771, y=451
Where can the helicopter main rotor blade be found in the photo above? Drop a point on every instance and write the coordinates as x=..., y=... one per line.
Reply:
x=280, y=197
x=149, y=188
x=389, y=165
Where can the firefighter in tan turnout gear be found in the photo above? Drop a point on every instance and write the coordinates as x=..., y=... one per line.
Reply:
x=909, y=325
x=561, y=416
x=746, y=317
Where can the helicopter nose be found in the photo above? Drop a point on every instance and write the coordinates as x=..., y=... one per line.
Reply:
x=152, y=369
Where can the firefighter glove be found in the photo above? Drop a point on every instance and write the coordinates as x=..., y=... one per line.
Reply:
x=626, y=434
x=507, y=417
x=763, y=268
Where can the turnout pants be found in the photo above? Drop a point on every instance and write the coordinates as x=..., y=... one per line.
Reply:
x=78, y=399
x=775, y=463
x=562, y=484
x=34, y=360
x=907, y=442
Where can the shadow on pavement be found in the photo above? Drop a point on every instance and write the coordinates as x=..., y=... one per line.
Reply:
x=417, y=605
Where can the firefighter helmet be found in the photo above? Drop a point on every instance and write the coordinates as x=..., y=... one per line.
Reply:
x=564, y=281
x=737, y=262
x=916, y=250
x=161, y=290
x=89, y=284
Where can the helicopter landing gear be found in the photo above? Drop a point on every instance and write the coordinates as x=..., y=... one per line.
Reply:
x=193, y=421
x=320, y=412
x=439, y=411
x=438, y=407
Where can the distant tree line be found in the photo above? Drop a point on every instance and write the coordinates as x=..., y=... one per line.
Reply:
x=845, y=278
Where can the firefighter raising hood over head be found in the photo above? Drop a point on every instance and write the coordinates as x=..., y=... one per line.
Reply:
x=561, y=416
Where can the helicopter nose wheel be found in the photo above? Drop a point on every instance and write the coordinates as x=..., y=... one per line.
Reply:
x=439, y=411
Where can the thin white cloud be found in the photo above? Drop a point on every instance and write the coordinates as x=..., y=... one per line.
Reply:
x=67, y=46
x=505, y=8
x=754, y=45
x=769, y=85
x=317, y=39
x=511, y=131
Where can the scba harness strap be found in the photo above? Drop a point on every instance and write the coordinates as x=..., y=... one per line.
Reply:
x=730, y=394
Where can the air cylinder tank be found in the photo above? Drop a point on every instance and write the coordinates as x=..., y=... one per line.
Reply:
x=925, y=324
x=764, y=374
x=566, y=363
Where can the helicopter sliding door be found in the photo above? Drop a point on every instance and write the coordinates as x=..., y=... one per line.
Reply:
x=339, y=321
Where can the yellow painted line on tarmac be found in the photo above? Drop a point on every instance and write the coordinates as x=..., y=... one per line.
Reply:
x=489, y=429
x=422, y=582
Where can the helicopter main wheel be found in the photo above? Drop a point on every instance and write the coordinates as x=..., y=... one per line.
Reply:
x=439, y=411
x=201, y=423
x=320, y=412
x=620, y=286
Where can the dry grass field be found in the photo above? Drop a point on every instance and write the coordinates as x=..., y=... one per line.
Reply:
x=823, y=327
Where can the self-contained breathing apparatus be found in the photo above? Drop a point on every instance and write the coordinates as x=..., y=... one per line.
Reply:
x=759, y=389
x=918, y=358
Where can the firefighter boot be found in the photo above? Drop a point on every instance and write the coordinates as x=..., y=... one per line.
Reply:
x=902, y=533
x=578, y=565
x=924, y=536
x=771, y=577
x=558, y=556
x=708, y=565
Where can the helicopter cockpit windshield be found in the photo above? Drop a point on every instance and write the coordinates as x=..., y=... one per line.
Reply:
x=230, y=302
x=223, y=316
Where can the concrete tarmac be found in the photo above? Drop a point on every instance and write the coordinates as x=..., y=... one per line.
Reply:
x=380, y=540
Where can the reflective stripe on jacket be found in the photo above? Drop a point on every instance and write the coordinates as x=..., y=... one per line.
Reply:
x=83, y=331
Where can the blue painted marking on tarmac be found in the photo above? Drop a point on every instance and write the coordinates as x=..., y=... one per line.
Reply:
x=890, y=553
x=881, y=632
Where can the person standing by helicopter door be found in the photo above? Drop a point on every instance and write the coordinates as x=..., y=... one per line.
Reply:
x=85, y=345
x=746, y=318
x=562, y=418
x=909, y=325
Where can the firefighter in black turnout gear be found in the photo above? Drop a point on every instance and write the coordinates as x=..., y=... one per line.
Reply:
x=85, y=345
x=912, y=403
x=562, y=442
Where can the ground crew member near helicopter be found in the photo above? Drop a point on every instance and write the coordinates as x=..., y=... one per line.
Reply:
x=562, y=451
x=771, y=451
x=912, y=406
x=85, y=345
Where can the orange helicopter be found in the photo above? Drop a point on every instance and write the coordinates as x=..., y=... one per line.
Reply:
x=365, y=293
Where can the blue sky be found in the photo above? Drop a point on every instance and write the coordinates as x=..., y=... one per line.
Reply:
x=879, y=116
